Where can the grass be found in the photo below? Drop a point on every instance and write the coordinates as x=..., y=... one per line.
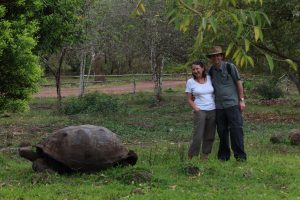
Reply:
x=159, y=133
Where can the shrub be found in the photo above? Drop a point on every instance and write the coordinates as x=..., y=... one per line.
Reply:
x=248, y=85
x=94, y=103
x=14, y=106
x=269, y=90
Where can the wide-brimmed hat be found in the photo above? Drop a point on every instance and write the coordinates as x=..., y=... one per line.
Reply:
x=214, y=51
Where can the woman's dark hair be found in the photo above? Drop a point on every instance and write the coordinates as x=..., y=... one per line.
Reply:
x=198, y=62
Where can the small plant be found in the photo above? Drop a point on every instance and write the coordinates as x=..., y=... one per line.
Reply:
x=170, y=90
x=269, y=90
x=15, y=106
x=94, y=103
x=248, y=85
x=135, y=176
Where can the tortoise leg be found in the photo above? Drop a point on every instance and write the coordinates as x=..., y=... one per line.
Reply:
x=40, y=165
x=57, y=166
x=28, y=153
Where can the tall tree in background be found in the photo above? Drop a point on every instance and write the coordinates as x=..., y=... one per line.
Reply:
x=282, y=40
x=161, y=41
x=60, y=30
x=20, y=71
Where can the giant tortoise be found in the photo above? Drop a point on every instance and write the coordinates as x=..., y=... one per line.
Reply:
x=81, y=148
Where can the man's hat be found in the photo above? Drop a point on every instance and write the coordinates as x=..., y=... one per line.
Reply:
x=214, y=51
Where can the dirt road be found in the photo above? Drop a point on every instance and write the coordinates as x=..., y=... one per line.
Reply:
x=126, y=88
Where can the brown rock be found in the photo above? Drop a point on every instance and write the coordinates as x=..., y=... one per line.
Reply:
x=295, y=137
x=278, y=138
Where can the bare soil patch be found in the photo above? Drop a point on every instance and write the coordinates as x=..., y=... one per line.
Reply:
x=270, y=117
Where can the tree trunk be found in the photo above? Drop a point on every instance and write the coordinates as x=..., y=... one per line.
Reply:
x=98, y=62
x=82, y=72
x=158, y=85
x=93, y=55
x=153, y=63
x=296, y=77
x=130, y=63
x=58, y=77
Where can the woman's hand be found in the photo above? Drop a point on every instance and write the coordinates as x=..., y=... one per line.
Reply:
x=196, y=110
x=191, y=99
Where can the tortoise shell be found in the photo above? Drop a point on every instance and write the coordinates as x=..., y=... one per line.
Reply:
x=84, y=147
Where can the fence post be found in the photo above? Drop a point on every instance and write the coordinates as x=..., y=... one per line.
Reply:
x=134, y=85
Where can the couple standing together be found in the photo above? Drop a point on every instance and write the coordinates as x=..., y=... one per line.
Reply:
x=217, y=99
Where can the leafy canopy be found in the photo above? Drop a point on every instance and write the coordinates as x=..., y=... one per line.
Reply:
x=236, y=24
x=20, y=71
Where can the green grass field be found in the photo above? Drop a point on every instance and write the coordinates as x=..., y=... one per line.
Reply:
x=159, y=133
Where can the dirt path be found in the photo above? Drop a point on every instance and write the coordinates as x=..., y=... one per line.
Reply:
x=126, y=88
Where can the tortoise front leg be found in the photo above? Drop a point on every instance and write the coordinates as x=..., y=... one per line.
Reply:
x=40, y=165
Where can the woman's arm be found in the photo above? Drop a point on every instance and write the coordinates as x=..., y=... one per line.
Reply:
x=191, y=102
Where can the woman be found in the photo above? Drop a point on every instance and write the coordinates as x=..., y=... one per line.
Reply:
x=200, y=96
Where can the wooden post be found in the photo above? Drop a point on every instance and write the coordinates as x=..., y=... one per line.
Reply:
x=134, y=85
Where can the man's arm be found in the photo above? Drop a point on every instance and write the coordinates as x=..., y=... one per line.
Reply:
x=240, y=91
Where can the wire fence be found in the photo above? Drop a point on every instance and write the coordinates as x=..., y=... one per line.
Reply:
x=110, y=84
x=132, y=83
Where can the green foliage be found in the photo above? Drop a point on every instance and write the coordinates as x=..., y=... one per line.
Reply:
x=20, y=71
x=94, y=103
x=169, y=90
x=175, y=68
x=269, y=90
x=17, y=106
x=60, y=24
x=248, y=85
x=242, y=24
x=284, y=15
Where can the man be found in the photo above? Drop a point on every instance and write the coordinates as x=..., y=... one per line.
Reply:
x=229, y=97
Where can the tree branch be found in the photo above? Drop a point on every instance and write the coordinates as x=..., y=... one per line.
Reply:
x=189, y=8
x=264, y=47
x=45, y=61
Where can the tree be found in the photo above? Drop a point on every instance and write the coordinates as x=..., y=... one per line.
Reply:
x=161, y=41
x=243, y=23
x=60, y=30
x=282, y=41
x=20, y=71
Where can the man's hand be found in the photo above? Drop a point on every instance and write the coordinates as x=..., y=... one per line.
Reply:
x=242, y=105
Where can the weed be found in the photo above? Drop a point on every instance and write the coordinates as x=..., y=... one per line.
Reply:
x=94, y=103
x=269, y=90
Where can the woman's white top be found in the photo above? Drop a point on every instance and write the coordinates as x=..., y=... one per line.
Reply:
x=203, y=93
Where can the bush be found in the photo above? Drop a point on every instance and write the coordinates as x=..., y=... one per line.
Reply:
x=248, y=85
x=94, y=103
x=269, y=90
x=15, y=106
x=20, y=70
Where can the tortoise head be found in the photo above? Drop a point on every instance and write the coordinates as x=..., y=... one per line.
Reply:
x=129, y=160
x=28, y=153
x=132, y=157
